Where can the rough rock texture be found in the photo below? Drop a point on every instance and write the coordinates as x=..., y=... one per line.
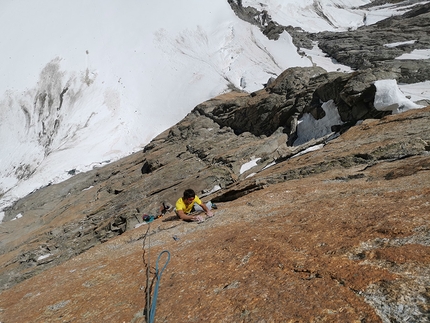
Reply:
x=366, y=46
x=337, y=235
x=204, y=150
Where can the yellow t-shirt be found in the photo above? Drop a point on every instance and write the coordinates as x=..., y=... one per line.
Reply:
x=180, y=204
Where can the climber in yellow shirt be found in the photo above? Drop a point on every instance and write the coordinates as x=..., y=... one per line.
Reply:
x=190, y=202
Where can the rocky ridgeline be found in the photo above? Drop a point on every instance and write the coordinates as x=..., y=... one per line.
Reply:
x=365, y=47
x=208, y=147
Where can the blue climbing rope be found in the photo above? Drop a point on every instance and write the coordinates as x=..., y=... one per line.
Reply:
x=158, y=277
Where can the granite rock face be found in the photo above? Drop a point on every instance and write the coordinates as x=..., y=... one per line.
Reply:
x=338, y=232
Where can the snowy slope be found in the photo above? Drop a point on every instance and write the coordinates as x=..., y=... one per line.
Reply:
x=330, y=15
x=83, y=83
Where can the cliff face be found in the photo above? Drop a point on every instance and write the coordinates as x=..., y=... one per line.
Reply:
x=338, y=234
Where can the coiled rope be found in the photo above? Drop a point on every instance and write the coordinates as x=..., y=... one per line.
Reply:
x=151, y=308
x=158, y=274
